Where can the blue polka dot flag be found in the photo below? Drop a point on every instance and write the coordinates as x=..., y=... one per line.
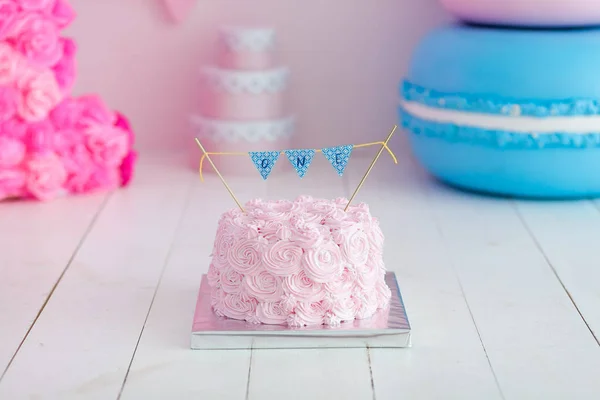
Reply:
x=338, y=156
x=264, y=161
x=300, y=160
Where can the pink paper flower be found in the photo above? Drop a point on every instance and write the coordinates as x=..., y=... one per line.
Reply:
x=12, y=183
x=39, y=94
x=8, y=102
x=36, y=37
x=8, y=15
x=128, y=168
x=14, y=128
x=79, y=167
x=95, y=112
x=36, y=5
x=40, y=136
x=66, y=70
x=46, y=175
x=67, y=114
x=63, y=14
x=103, y=179
x=108, y=145
x=10, y=61
x=12, y=152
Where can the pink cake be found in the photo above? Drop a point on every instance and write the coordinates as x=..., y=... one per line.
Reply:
x=243, y=95
x=300, y=263
x=243, y=48
x=542, y=13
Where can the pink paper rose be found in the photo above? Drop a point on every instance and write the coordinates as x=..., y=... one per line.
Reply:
x=79, y=167
x=12, y=152
x=62, y=13
x=10, y=61
x=8, y=102
x=67, y=114
x=65, y=70
x=107, y=145
x=40, y=136
x=39, y=94
x=36, y=5
x=14, y=128
x=8, y=14
x=36, y=37
x=12, y=183
x=46, y=175
x=103, y=178
x=95, y=112
x=128, y=164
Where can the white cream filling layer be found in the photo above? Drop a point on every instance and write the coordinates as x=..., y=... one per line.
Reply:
x=514, y=123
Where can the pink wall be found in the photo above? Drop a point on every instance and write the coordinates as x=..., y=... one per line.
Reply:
x=346, y=57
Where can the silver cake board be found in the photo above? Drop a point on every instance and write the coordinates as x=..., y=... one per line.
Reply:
x=388, y=328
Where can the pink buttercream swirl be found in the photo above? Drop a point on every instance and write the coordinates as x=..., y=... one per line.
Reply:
x=231, y=280
x=303, y=288
x=238, y=306
x=272, y=313
x=346, y=308
x=343, y=285
x=214, y=276
x=354, y=244
x=307, y=314
x=245, y=255
x=282, y=258
x=264, y=286
x=324, y=263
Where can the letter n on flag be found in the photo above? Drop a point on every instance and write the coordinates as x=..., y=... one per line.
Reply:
x=338, y=156
x=300, y=160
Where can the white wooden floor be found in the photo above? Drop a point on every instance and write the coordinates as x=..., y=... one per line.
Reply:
x=97, y=294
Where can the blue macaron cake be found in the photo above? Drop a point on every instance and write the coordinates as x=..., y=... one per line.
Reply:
x=507, y=111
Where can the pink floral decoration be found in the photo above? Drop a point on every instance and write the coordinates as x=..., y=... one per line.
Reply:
x=53, y=144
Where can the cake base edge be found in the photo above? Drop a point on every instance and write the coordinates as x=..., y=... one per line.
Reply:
x=387, y=328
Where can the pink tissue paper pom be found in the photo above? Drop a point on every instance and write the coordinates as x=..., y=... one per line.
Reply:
x=63, y=14
x=12, y=183
x=14, y=128
x=45, y=175
x=128, y=164
x=10, y=63
x=37, y=38
x=39, y=94
x=40, y=137
x=108, y=145
x=8, y=15
x=66, y=69
x=8, y=102
x=12, y=152
x=36, y=5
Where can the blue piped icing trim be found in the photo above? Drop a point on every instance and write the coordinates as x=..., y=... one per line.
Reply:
x=499, y=105
x=496, y=138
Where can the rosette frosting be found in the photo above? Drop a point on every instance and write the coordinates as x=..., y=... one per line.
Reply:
x=301, y=263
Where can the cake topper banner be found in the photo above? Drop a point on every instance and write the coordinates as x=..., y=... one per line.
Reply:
x=301, y=159
x=338, y=157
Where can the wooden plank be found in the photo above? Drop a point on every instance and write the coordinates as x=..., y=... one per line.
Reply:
x=446, y=347
x=82, y=343
x=301, y=374
x=568, y=233
x=538, y=345
x=164, y=366
x=37, y=242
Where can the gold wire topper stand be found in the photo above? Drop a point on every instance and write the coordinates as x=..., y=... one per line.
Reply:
x=384, y=146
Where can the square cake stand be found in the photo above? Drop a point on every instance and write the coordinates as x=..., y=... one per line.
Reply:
x=388, y=328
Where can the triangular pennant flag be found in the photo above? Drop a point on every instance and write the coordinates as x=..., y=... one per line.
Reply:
x=300, y=160
x=338, y=156
x=264, y=161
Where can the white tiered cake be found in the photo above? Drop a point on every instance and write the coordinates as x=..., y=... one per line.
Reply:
x=242, y=99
